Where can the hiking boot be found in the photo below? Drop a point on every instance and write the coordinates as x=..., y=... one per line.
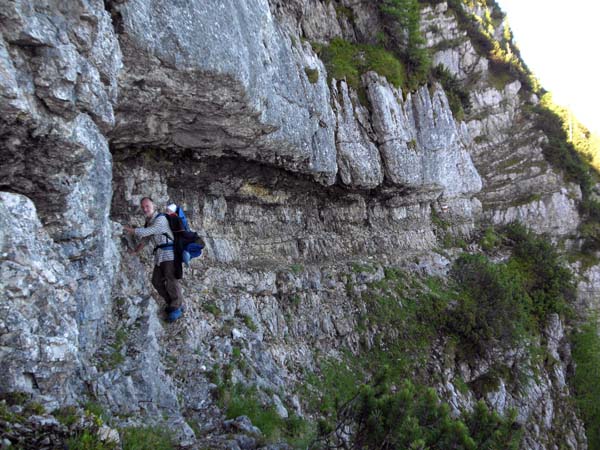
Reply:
x=174, y=315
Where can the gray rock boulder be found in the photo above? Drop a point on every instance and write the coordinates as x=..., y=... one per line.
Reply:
x=421, y=144
x=39, y=336
x=359, y=162
x=75, y=65
x=220, y=76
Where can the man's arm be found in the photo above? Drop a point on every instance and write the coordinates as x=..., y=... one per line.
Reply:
x=140, y=246
x=137, y=248
x=160, y=226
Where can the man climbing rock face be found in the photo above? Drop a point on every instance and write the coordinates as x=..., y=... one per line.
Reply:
x=157, y=231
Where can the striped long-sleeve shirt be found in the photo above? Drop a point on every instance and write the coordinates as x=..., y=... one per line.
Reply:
x=155, y=229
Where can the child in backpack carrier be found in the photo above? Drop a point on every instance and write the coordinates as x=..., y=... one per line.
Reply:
x=189, y=243
x=172, y=211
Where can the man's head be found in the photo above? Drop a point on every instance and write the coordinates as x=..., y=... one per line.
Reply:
x=147, y=206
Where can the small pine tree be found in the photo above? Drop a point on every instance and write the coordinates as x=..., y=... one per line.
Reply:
x=401, y=20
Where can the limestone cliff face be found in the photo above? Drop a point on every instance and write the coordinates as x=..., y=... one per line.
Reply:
x=291, y=181
x=59, y=85
x=508, y=153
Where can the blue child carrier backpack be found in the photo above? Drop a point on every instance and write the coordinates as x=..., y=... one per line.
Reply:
x=187, y=245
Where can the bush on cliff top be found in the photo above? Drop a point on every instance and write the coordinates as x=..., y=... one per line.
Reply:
x=577, y=154
x=458, y=96
x=402, y=58
x=401, y=20
x=571, y=146
x=504, y=56
x=348, y=61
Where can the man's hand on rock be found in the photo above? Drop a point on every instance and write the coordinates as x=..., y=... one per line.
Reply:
x=129, y=229
x=136, y=250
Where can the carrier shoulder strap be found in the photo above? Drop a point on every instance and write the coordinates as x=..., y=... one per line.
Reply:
x=166, y=235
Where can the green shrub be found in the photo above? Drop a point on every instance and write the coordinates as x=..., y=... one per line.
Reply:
x=295, y=299
x=438, y=221
x=296, y=268
x=87, y=440
x=298, y=432
x=505, y=59
x=403, y=320
x=492, y=307
x=15, y=398
x=458, y=97
x=490, y=239
x=401, y=21
x=487, y=382
x=312, y=74
x=578, y=158
x=493, y=304
x=590, y=231
x=502, y=303
x=212, y=308
x=410, y=418
x=337, y=384
x=244, y=402
x=5, y=413
x=559, y=151
x=586, y=143
x=97, y=410
x=146, y=438
x=344, y=11
x=348, y=61
x=507, y=64
x=30, y=407
x=484, y=305
x=586, y=355
x=359, y=268
x=239, y=400
x=547, y=280
x=22, y=399
x=591, y=208
x=385, y=415
x=250, y=323
x=116, y=357
x=491, y=431
x=34, y=408
x=497, y=13
x=67, y=415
